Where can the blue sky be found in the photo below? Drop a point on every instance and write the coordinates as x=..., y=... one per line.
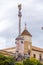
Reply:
x=32, y=14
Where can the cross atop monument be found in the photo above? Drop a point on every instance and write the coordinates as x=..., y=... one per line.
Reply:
x=25, y=26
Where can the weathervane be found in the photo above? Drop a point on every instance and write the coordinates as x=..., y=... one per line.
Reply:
x=19, y=15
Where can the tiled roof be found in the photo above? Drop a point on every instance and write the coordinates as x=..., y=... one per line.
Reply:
x=37, y=49
x=25, y=32
x=10, y=48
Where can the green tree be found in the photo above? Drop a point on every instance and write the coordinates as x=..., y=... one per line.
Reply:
x=18, y=63
x=6, y=60
x=31, y=61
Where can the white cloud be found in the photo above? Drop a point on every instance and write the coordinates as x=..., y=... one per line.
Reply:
x=32, y=14
x=2, y=42
x=5, y=24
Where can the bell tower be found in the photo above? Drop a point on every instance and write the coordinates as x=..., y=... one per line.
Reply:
x=27, y=41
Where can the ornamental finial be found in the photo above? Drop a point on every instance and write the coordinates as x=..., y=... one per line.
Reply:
x=25, y=25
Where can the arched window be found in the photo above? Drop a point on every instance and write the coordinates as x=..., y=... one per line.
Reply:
x=29, y=52
x=40, y=57
x=34, y=55
x=22, y=42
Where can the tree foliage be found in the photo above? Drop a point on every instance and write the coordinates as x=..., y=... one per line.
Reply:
x=31, y=61
x=18, y=63
x=6, y=60
x=10, y=61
